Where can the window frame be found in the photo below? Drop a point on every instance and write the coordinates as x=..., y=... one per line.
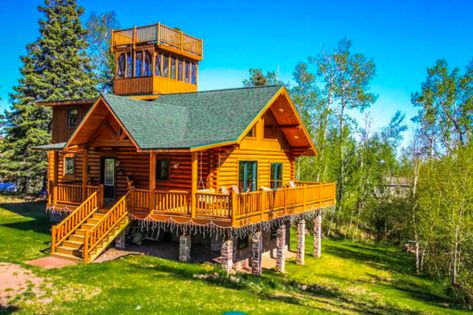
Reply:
x=69, y=124
x=121, y=66
x=252, y=185
x=64, y=166
x=147, y=64
x=129, y=65
x=139, y=64
x=159, y=168
x=279, y=181
x=158, y=69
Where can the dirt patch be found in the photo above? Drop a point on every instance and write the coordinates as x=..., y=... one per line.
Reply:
x=16, y=280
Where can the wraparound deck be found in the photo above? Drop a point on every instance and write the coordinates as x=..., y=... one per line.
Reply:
x=225, y=210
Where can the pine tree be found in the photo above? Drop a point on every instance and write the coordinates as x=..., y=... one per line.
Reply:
x=56, y=67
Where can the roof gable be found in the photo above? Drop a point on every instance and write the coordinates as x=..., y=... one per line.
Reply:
x=193, y=121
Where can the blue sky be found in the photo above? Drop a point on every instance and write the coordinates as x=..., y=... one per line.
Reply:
x=403, y=38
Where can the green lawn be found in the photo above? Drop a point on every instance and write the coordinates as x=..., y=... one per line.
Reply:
x=349, y=278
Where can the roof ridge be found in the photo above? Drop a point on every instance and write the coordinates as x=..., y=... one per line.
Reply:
x=223, y=90
x=153, y=102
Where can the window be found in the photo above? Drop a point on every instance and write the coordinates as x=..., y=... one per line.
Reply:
x=148, y=71
x=179, y=70
x=121, y=66
x=188, y=71
x=162, y=169
x=158, y=69
x=139, y=64
x=72, y=117
x=129, y=64
x=69, y=166
x=276, y=175
x=248, y=176
x=173, y=67
x=194, y=73
x=252, y=132
x=166, y=66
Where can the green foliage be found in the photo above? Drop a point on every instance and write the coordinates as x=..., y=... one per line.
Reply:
x=56, y=67
x=258, y=78
x=99, y=38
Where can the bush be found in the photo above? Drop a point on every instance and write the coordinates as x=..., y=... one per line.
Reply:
x=463, y=290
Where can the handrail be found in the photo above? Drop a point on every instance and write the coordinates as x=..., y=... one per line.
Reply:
x=66, y=227
x=108, y=222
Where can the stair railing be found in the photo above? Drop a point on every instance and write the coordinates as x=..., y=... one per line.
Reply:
x=107, y=223
x=61, y=231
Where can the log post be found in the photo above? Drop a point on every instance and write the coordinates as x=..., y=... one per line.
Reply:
x=85, y=173
x=194, y=174
x=152, y=179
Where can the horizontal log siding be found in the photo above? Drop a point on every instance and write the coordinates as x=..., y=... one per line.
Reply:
x=60, y=130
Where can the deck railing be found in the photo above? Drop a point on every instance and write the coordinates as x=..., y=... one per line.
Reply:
x=66, y=227
x=236, y=208
x=71, y=194
x=160, y=34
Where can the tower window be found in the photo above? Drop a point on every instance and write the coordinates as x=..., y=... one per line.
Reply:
x=72, y=117
x=129, y=64
x=173, y=67
x=148, y=71
x=139, y=64
x=158, y=69
x=121, y=66
x=188, y=71
x=194, y=73
x=166, y=66
x=179, y=70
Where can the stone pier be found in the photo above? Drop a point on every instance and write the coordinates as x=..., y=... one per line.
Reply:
x=227, y=254
x=256, y=253
x=318, y=235
x=184, y=248
x=120, y=240
x=300, y=242
x=281, y=248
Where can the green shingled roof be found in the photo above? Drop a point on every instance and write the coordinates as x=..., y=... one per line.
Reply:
x=190, y=120
x=52, y=146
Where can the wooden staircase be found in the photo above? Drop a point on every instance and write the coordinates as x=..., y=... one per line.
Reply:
x=88, y=230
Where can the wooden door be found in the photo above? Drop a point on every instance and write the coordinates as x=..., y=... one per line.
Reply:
x=108, y=177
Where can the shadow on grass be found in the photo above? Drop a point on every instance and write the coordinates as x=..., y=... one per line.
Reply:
x=32, y=210
x=7, y=309
x=394, y=261
x=275, y=287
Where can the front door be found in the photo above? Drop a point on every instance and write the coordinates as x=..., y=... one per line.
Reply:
x=108, y=177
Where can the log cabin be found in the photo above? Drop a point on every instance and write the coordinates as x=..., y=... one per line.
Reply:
x=210, y=166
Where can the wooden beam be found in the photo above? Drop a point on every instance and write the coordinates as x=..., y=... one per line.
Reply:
x=85, y=173
x=152, y=179
x=194, y=161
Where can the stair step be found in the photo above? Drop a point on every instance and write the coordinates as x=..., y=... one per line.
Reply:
x=92, y=221
x=98, y=216
x=87, y=226
x=69, y=251
x=65, y=256
x=73, y=244
x=77, y=238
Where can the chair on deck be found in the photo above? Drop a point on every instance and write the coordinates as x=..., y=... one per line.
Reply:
x=235, y=189
x=292, y=184
x=224, y=190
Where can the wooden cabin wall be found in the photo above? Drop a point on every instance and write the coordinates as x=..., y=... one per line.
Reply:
x=60, y=130
x=264, y=151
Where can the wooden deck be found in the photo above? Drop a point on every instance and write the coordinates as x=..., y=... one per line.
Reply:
x=164, y=37
x=225, y=210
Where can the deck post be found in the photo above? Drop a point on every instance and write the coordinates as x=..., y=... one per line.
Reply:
x=227, y=254
x=256, y=253
x=194, y=161
x=280, y=249
x=318, y=235
x=85, y=173
x=234, y=206
x=55, y=176
x=300, y=242
x=152, y=179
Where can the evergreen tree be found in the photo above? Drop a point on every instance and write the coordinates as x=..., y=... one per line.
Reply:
x=56, y=67
x=258, y=78
x=99, y=37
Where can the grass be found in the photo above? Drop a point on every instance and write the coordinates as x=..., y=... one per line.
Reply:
x=350, y=278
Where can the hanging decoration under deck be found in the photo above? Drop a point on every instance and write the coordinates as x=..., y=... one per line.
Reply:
x=214, y=229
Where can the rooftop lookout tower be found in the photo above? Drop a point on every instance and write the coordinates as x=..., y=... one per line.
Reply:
x=155, y=59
